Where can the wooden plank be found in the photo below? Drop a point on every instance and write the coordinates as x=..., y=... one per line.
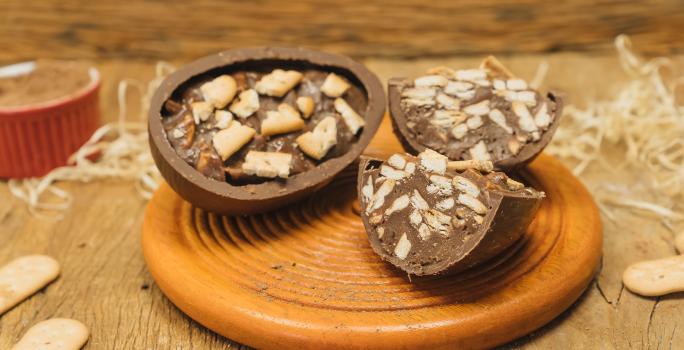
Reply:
x=103, y=280
x=402, y=28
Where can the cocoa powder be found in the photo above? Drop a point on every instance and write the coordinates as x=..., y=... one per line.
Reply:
x=49, y=80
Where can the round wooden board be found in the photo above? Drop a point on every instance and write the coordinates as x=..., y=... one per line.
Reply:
x=305, y=276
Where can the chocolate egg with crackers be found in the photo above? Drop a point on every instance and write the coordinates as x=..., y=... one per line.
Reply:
x=430, y=216
x=486, y=113
x=251, y=130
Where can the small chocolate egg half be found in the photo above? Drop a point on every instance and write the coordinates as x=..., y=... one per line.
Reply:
x=484, y=113
x=430, y=216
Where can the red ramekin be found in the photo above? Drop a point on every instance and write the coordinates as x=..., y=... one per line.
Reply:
x=37, y=138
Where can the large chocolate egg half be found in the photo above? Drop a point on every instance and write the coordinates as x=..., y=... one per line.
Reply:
x=251, y=130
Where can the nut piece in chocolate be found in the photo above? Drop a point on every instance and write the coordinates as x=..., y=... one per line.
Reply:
x=485, y=113
x=428, y=215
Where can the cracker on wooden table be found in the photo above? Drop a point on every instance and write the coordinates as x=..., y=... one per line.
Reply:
x=23, y=276
x=656, y=277
x=54, y=334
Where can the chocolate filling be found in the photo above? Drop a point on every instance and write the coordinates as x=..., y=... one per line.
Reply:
x=225, y=197
x=427, y=219
x=473, y=114
x=193, y=141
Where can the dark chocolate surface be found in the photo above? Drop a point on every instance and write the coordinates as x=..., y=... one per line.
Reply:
x=224, y=197
x=415, y=124
x=466, y=239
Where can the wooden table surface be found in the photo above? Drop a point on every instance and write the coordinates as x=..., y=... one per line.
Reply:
x=105, y=283
x=362, y=28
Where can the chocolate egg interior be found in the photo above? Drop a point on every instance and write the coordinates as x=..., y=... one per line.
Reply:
x=485, y=112
x=194, y=168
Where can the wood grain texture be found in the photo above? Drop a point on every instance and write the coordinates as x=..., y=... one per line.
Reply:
x=306, y=277
x=361, y=28
x=103, y=281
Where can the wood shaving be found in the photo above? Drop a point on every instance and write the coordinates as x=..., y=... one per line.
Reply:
x=122, y=152
x=539, y=75
x=645, y=123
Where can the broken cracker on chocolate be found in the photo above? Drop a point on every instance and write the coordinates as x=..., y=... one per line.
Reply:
x=286, y=119
x=306, y=105
x=353, y=120
x=427, y=215
x=246, y=104
x=230, y=140
x=278, y=82
x=334, y=85
x=485, y=112
x=201, y=111
x=223, y=119
x=495, y=68
x=318, y=142
x=220, y=91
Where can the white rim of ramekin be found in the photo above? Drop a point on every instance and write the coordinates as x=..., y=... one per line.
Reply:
x=28, y=66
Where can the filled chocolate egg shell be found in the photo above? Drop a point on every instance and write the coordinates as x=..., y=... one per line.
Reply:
x=250, y=130
x=485, y=113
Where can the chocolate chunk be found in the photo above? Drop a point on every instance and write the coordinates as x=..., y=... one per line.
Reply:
x=209, y=163
x=233, y=93
x=483, y=113
x=181, y=131
x=427, y=219
x=173, y=107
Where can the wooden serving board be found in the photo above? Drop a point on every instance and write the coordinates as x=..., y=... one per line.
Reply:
x=306, y=277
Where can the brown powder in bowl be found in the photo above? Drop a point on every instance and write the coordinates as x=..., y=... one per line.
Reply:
x=49, y=80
